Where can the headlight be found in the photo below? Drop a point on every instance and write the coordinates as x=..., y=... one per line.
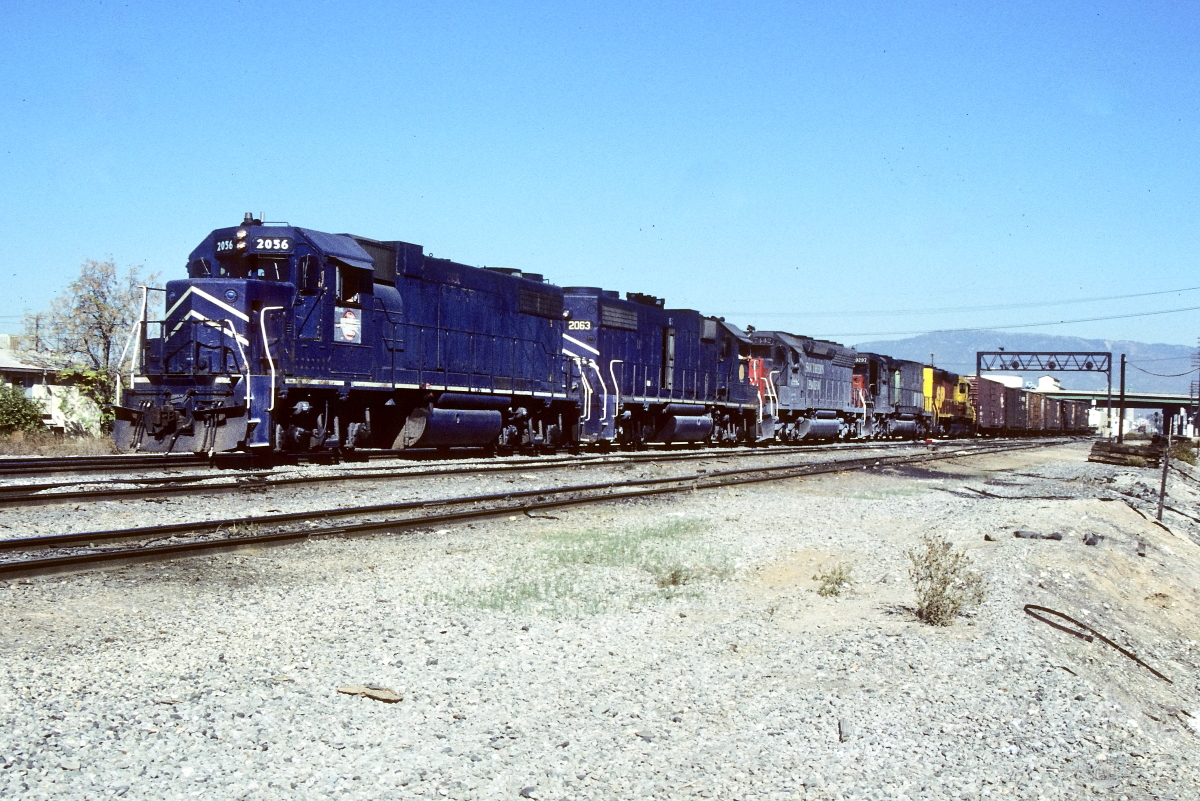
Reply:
x=241, y=233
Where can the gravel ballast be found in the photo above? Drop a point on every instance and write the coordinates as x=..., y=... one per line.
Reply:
x=669, y=648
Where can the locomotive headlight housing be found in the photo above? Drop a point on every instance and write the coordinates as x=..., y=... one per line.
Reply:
x=231, y=295
x=241, y=234
x=240, y=245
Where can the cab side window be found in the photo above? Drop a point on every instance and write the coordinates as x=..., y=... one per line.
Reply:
x=309, y=276
x=352, y=284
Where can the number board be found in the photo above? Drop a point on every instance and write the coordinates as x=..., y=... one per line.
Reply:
x=273, y=245
x=579, y=325
x=258, y=244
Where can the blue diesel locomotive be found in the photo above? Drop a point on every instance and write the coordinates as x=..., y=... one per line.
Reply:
x=288, y=339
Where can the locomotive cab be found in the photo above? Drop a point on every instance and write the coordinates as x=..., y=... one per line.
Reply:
x=205, y=377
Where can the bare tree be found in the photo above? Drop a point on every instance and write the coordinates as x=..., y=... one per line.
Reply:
x=86, y=326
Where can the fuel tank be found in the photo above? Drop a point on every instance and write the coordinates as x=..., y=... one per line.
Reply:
x=446, y=428
x=685, y=427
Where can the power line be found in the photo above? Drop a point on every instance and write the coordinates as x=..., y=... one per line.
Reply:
x=959, y=309
x=1017, y=325
x=1160, y=375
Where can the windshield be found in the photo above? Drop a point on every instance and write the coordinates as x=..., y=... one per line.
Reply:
x=261, y=268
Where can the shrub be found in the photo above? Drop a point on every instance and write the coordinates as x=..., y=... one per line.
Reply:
x=833, y=581
x=945, y=582
x=17, y=412
x=1184, y=451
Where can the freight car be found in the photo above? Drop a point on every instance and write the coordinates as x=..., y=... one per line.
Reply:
x=284, y=338
x=1001, y=410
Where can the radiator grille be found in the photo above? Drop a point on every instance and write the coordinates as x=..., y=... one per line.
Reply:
x=617, y=317
x=542, y=304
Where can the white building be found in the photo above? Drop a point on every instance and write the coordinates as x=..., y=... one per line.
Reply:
x=64, y=408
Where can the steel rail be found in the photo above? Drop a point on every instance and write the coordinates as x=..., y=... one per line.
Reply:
x=28, y=466
x=21, y=466
x=525, y=502
x=26, y=495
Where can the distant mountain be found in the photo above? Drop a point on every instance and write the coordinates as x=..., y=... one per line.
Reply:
x=955, y=350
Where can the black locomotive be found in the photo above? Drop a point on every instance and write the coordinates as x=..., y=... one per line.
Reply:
x=287, y=339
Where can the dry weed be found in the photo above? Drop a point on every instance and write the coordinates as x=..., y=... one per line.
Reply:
x=945, y=581
x=46, y=443
x=832, y=581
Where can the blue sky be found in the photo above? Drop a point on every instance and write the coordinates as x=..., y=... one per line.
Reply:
x=788, y=165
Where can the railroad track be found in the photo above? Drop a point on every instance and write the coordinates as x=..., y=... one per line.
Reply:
x=16, y=467
x=20, y=467
x=66, y=491
x=28, y=555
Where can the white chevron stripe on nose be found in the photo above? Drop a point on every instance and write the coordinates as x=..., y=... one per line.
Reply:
x=195, y=315
x=219, y=303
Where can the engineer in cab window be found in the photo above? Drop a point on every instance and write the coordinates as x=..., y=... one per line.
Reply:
x=347, y=285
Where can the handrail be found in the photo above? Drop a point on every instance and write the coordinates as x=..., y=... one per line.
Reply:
x=262, y=327
x=587, y=390
x=616, y=387
x=245, y=361
x=603, y=387
x=771, y=390
x=129, y=341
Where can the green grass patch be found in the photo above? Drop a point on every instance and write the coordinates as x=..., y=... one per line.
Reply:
x=672, y=553
x=573, y=572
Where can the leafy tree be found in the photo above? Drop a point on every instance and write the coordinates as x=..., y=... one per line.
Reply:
x=86, y=326
x=17, y=412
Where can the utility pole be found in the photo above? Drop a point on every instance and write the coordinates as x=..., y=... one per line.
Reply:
x=1166, y=460
x=1108, y=409
x=1121, y=418
x=1195, y=398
